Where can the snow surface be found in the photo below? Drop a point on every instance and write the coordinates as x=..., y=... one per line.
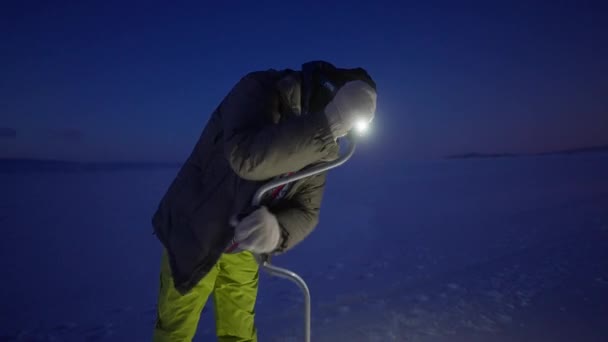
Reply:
x=512, y=249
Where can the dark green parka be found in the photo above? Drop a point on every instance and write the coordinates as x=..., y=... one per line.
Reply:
x=254, y=135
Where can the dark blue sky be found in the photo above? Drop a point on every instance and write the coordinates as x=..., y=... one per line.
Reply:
x=110, y=81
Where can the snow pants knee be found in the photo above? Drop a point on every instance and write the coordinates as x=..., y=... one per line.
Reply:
x=233, y=282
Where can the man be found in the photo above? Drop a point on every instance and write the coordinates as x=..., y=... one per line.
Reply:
x=270, y=124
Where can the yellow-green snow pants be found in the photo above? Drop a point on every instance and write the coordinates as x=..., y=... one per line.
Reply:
x=233, y=281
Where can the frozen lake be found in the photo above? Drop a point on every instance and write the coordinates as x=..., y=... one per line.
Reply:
x=512, y=249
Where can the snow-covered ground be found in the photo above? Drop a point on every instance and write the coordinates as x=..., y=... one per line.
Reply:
x=455, y=250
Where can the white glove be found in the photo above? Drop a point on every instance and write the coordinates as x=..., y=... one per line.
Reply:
x=355, y=101
x=259, y=232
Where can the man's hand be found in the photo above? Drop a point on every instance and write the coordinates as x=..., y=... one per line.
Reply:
x=259, y=232
x=355, y=101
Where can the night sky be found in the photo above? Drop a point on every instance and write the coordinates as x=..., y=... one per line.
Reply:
x=106, y=81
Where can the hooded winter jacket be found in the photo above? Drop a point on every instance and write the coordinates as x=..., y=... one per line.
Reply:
x=257, y=133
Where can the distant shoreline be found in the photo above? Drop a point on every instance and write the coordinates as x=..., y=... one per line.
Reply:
x=24, y=165
x=581, y=150
x=14, y=165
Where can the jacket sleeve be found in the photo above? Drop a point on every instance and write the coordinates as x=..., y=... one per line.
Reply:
x=258, y=148
x=299, y=215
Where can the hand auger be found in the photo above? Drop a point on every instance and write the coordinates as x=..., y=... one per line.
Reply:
x=264, y=259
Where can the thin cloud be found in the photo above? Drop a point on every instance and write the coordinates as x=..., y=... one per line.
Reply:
x=8, y=133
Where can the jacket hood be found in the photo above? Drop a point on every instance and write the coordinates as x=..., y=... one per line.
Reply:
x=321, y=80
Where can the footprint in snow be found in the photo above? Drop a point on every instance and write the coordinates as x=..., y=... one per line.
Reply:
x=505, y=319
x=336, y=266
x=497, y=296
x=412, y=322
x=453, y=286
x=422, y=298
x=602, y=280
x=344, y=309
